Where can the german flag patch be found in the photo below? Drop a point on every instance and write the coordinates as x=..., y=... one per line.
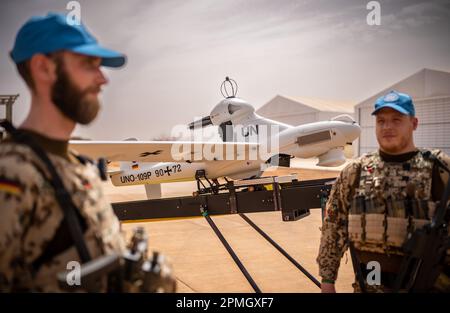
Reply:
x=10, y=186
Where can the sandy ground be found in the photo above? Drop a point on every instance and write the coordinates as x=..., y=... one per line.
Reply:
x=202, y=264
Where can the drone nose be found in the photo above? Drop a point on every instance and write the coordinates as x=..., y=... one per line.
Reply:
x=206, y=121
x=351, y=131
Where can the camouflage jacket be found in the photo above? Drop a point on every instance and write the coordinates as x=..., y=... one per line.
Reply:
x=31, y=227
x=335, y=231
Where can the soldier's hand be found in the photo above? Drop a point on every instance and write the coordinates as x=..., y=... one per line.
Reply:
x=327, y=288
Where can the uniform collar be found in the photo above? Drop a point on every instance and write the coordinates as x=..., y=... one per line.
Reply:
x=50, y=145
x=400, y=158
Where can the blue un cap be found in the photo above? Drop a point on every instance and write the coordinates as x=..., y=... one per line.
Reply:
x=51, y=33
x=398, y=101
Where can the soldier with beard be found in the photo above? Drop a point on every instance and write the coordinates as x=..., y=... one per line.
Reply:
x=60, y=63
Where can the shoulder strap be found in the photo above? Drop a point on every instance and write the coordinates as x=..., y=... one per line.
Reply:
x=428, y=154
x=102, y=165
x=441, y=171
x=356, y=183
x=62, y=195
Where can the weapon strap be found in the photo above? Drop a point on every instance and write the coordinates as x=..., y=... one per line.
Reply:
x=62, y=195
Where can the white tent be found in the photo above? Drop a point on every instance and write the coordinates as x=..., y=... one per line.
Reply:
x=301, y=110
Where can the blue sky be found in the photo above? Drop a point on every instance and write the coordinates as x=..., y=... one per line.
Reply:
x=180, y=51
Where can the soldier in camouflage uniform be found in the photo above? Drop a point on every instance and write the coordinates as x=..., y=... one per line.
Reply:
x=60, y=64
x=381, y=197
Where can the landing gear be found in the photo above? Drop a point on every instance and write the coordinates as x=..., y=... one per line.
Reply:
x=207, y=186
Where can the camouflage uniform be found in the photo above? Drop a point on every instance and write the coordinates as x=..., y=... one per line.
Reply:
x=378, y=231
x=32, y=232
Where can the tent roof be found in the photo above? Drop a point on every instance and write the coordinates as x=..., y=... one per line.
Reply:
x=426, y=83
x=314, y=103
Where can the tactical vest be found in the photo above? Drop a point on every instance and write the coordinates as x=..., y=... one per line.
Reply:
x=391, y=200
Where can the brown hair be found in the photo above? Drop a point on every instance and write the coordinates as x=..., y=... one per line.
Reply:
x=24, y=70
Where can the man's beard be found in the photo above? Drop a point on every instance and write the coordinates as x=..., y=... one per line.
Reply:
x=72, y=101
x=394, y=148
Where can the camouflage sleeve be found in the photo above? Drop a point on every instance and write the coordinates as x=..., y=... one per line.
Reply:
x=333, y=242
x=445, y=159
x=16, y=204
